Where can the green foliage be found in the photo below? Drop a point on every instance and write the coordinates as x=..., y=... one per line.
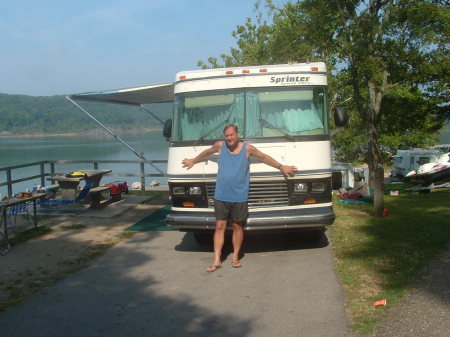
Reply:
x=388, y=64
x=29, y=234
x=405, y=122
x=54, y=114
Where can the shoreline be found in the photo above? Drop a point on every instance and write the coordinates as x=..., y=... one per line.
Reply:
x=90, y=133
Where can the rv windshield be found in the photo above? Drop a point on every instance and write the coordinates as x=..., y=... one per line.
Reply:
x=259, y=113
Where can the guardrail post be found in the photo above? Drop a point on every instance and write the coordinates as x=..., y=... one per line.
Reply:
x=142, y=177
x=52, y=168
x=8, y=180
x=95, y=166
x=42, y=174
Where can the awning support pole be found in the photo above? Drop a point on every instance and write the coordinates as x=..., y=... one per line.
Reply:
x=151, y=113
x=117, y=137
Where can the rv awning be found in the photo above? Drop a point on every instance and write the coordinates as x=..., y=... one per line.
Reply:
x=155, y=93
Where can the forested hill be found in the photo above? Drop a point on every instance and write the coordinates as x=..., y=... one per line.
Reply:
x=21, y=114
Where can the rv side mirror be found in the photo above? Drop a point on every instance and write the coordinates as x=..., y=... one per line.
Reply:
x=167, y=129
x=340, y=117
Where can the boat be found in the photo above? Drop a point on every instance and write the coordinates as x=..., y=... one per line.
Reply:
x=406, y=161
x=429, y=173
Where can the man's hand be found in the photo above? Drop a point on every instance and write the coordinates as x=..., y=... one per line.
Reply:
x=188, y=163
x=288, y=171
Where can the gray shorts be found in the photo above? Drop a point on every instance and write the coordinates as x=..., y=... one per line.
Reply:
x=234, y=211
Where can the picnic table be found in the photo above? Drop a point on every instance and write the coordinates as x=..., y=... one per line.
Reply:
x=69, y=185
x=5, y=204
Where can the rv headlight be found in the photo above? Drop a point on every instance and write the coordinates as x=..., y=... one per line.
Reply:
x=195, y=190
x=318, y=187
x=178, y=190
x=300, y=187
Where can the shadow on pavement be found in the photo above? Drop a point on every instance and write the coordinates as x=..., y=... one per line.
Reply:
x=260, y=242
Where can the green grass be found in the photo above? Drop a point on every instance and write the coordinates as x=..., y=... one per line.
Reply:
x=377, y=258
x=29, y=234
x=74, y=226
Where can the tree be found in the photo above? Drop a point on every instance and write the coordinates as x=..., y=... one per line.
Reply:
x=388, y=63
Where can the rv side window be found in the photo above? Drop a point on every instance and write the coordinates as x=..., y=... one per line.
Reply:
x=423, y=160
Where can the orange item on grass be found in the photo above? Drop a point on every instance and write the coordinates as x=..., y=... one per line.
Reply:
x=380, y=302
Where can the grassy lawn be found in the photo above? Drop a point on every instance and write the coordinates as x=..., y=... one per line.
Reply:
x=377, y=258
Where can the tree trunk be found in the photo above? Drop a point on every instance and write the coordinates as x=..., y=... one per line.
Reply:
x=376, y=180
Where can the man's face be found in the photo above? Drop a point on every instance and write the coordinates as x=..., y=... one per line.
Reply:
x=231, y=137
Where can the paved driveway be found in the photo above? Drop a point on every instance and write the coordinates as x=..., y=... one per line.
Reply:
x=156, y=285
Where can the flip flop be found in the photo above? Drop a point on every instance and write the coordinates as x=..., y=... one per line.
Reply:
x=213, y=268
x=236, y=264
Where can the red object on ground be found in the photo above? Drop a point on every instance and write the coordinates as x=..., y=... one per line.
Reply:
x=380, y=302
x=117, y=187
x=385, y=212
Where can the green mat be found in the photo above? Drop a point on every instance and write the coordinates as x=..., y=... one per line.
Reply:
x=153, y=222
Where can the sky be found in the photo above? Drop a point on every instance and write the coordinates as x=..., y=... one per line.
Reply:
x=58, y=47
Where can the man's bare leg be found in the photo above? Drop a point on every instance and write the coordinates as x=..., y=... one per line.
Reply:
x=238, y=238
x=219, y=239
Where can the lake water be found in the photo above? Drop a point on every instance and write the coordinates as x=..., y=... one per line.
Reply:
x=16, y=151
x=445, y=137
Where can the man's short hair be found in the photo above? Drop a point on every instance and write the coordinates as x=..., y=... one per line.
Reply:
x=231, y=126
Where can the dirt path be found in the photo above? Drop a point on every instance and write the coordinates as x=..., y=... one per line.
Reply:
x=71, y=245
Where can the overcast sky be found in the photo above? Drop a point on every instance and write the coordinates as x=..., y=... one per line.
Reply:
x=55, y=47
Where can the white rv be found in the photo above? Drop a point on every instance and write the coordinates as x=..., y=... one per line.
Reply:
x=280, y=109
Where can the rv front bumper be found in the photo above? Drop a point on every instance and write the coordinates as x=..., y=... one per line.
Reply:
x=283, y=220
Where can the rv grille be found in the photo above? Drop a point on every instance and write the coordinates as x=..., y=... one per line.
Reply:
x=261, y=194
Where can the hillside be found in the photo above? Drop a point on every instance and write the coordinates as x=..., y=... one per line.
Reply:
x=21, y=114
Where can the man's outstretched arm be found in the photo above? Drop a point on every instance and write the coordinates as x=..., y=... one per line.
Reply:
x=287, y=170
x=189, y=162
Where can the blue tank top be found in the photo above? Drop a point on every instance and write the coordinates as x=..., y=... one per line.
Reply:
x=233, y=176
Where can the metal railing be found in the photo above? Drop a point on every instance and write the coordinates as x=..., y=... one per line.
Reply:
x=48, y=168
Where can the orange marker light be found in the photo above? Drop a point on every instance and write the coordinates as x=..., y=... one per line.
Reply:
x=263, y=70
x=182, y=77
x=314, y=68
x=229, y=72
x=188, y=204
x=246, y=71
x=309, y=201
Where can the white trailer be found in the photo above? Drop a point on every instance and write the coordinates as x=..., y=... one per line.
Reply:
x=280, y=109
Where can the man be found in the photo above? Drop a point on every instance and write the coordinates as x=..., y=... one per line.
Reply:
x=232, y=186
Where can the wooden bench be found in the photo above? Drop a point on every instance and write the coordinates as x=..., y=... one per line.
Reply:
x=95, y=195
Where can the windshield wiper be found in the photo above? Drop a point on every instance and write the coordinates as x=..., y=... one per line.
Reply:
x=284, y=133
x=202, y=138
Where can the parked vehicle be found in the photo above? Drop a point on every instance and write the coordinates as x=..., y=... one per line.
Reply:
x=280, y=109
x=431, y=172
x=409, y=160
